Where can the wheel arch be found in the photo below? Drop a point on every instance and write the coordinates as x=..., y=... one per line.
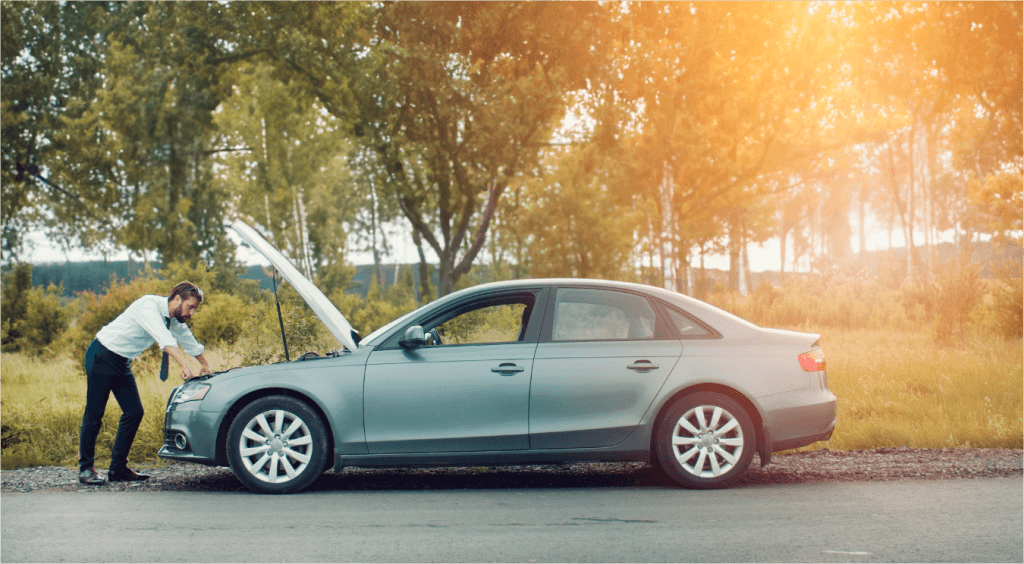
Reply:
x=239, y=405
x=763, y=441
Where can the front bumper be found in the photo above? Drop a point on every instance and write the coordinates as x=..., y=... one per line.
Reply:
x=190, y=435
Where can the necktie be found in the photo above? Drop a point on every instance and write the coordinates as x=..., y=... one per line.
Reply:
x=163, y=361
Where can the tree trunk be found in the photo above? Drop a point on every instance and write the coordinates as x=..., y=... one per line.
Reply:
x=782, y=257
x=734, y=259
x=424, y=289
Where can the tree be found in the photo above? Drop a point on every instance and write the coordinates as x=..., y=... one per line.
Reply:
x=730, y=104
x=52, y=54
x=575, y=227
x=155, y=116
x=945, y=78
x=454, y=99
x=289, y=173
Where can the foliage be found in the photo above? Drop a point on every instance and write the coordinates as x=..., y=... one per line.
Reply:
x=684, y=128
x=33, y=317
x=50, y=57
x=495, y=324
x=260, y=340
x=956, y=307
x=576, y=226
x=14, y=292
x=813, y=303
x=99, y=310
x=221, y=320
x=293, y=177
x=958, y=293
x=380, y=307
x=455, y=101
x=1005, y=309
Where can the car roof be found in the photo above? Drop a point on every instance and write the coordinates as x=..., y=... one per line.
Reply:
x=721, y=320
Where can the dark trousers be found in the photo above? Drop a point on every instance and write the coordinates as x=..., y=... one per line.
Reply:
x=108, y=372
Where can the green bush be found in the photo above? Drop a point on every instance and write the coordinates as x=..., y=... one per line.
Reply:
x=33, y=317
x=379, y=308
x=958, y=292
x=260, y=340
x=221, y=319
x=99, y=310
x=813, y=302
x=14, y=292
x=45, y=319
x=1009, y=308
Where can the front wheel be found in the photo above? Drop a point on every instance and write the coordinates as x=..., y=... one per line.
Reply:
x=706, y=440
x=277, y=444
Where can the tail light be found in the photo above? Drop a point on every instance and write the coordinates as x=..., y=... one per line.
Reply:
x=813, y=361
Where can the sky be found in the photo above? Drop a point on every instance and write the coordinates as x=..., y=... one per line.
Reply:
x=763, y=257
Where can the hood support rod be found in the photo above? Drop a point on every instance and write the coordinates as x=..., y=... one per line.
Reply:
x=280, y=319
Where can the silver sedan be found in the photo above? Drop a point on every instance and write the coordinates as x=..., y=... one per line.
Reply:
x=519, y=372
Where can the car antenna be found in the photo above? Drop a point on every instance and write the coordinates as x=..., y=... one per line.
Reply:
x=280, y=319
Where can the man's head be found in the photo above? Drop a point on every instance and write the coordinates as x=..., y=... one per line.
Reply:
x=184, y=300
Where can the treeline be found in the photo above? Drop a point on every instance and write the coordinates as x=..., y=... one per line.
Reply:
x=886, y=266
x=611, y=140
x=94, y=276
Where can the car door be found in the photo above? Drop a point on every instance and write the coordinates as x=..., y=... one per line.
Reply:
x=470, y=392
x=603, y=356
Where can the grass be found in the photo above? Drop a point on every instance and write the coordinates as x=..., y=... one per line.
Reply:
x=898, y=388
x=895, y=388
x=41, y=404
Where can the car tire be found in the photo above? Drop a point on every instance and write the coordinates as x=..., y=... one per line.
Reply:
x=277, y=444
x=705, y=440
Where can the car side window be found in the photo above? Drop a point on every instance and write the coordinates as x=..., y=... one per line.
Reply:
x=504, y=323
x=687, y=327
x=584, y=314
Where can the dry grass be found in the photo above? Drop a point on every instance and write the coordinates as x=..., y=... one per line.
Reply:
x=42, y=402
x=895, y=388
x=902, y=389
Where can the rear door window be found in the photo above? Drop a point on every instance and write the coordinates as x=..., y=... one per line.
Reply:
x=584, y=314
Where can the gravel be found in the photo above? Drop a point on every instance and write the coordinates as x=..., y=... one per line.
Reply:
x=798, y=468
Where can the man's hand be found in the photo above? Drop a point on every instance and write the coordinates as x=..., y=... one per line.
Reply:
x=204, y=367
x=186, y=374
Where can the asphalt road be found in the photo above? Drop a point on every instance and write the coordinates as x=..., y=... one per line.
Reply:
x=907, y=521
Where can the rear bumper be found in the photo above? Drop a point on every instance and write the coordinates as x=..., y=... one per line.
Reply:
x=794, y=426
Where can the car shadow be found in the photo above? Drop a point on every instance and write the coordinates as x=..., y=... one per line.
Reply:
x=577, y=475
x=487, y=478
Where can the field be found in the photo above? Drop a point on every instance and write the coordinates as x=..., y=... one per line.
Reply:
x=895, y=388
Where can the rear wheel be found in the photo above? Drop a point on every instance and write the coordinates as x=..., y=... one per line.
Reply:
x=706, y=440
x=277, y=444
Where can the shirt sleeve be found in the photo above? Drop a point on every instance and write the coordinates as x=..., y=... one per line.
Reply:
x=147, y=314
x=185, y=339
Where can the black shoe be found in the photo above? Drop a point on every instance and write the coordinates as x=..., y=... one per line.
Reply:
x=126, y=475
x=91, y=477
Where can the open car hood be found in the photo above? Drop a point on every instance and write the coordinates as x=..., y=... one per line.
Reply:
x=318, y=302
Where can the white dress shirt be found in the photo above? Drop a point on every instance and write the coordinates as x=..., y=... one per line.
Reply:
x=145, y=323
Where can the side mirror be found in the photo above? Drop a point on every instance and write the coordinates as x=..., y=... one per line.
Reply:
x=413, y=338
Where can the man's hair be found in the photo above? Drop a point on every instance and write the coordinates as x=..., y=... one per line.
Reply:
x=186, y=289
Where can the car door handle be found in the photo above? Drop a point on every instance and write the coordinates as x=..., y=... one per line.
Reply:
x=642, y=366
x=507, y=368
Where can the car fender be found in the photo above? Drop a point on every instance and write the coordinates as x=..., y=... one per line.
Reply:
x=333, y=387
x=710, y=374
